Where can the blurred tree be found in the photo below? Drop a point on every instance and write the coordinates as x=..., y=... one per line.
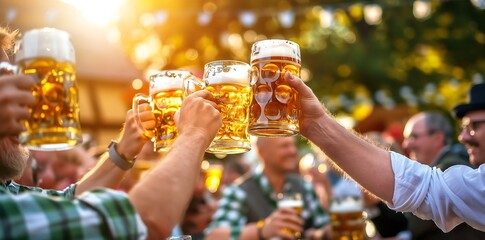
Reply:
x=420, y=53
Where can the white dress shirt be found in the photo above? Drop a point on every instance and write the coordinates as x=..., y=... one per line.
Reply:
x=448, y=198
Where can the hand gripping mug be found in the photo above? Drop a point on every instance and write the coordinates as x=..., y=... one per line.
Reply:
x=291, y=200
x=165, y=99
x=48, y=55
x=275, y=106
x=228, y=81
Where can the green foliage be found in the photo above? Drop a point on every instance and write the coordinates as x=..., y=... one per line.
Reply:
x=420, y=62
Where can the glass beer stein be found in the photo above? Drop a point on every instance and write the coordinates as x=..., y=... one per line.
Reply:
x=228, y=81
x=48, y=56
x=275, y=106
x=347, y=218
x=291, y=200
x=165, y=99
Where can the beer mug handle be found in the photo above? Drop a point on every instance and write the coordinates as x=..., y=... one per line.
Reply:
x=137, y=100
x=7, y=68
x=193, y=84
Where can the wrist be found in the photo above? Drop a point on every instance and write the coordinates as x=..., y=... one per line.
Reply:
x=118, y=159
x=125, y=151
x=197, y=137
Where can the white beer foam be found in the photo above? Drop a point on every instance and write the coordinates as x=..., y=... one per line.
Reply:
x=346, y=205
x=290, y=203
x=279, y=48
x=239, y=74
x=45, y=42
x=167, y=80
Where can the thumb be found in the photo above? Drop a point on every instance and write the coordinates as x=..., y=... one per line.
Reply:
x=296, y=83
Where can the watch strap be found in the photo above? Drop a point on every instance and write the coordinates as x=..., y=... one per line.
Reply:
x=117, y=159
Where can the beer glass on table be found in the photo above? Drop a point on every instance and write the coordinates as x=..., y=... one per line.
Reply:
x=48, y=56
x=294, y=201
x=347, y=218
x=275, y=106
x=165, y=100
x=228, y=81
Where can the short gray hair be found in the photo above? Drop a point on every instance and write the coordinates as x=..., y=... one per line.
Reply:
x=437, y=122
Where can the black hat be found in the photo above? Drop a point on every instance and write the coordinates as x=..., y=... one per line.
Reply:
x=477, y=101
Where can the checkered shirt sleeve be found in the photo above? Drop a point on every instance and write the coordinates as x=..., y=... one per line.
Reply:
x=230, y=211
x=96, y=214
x=314, y=209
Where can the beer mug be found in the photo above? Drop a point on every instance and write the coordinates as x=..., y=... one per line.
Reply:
x=294, y=201
x=347, y=218
x=165, y=99
x=275, y=106
x=228, y=81
x=213, y=176
x=48, y=55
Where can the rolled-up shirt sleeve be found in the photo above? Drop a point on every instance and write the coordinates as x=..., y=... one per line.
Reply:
x=448, y=198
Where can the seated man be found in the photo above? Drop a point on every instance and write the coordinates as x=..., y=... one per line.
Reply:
x=248, y=209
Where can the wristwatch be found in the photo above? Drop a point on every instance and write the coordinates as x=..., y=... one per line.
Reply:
x=117, y=159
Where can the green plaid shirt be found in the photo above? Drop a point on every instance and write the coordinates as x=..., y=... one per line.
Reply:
x=35, y=213
x=231, y=210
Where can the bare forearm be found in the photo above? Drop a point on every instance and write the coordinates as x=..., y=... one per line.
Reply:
x=162, y=196
x=367, y=164
x=250, y=231
x=104, y=174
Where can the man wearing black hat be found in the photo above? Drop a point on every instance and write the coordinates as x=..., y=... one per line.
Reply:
x=448, y=198
x=473, y=117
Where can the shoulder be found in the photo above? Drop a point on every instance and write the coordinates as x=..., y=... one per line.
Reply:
x=450, y=159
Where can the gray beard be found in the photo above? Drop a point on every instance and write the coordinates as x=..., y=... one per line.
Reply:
x=13, y=159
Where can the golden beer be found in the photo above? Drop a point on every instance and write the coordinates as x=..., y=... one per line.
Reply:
x=166, y=94
x=294, y=201
x=347, y=218
x=228, y=81
x=213, y=176
x=275, y=107
x=48, y=56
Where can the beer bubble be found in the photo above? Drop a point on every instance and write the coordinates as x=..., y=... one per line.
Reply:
x=263, y=94
x=283, y=94
x=272, y=111
x=228, y=94
x=270, y=72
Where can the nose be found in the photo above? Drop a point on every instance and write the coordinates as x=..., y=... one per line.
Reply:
x=407, y=143
x=464, y=136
